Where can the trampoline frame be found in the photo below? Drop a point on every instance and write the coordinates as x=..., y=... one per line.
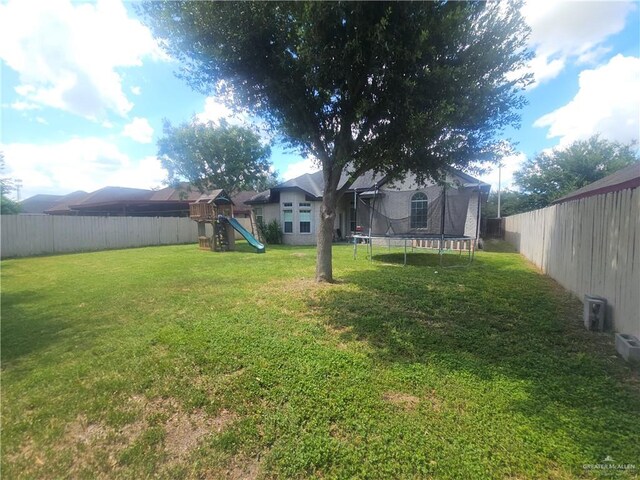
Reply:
x=441, y=239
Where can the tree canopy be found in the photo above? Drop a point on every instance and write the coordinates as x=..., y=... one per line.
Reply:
x=7, y=206
x=385, y=86
x=551, y=175
x=511, y=203
x=215, y=156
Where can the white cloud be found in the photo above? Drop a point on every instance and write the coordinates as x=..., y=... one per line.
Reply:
x=67, y=54
x=20, y=106
x=42, y=120
x=510, y=164
x=307, y=165
x=78, y=164
x=136, y=90
x=607, y=102
x=563, y=31
x=215, y=110
x=139, y=130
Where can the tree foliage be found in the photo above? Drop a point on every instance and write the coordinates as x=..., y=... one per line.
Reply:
x=511, y=203
x=551, y=175
x=211, y=156
x=7, y=206
x=384, y=86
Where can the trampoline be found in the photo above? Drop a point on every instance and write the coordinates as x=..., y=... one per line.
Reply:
x=437, y=220
x=461, y=244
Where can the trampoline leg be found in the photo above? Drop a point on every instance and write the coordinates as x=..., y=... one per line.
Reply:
x=355, y=248
x=370, y=250
x=405, y=253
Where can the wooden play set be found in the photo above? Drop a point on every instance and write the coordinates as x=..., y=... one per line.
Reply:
x=212, y=209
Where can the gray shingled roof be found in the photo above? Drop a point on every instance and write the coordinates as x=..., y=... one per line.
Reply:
x=181, y=193
x=239, y=200
x=468, y=180
x=313, y=184
x=69, y=199
x=39, y=203
x=628, y=177
x=262, y=197
x=113, y=195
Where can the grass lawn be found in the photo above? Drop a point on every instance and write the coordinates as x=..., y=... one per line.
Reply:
x=171, y=362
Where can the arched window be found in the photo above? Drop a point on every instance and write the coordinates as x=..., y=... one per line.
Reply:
x=419, y=210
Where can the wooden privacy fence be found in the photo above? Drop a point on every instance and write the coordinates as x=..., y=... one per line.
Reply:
x=25, y=235
x=590, y=246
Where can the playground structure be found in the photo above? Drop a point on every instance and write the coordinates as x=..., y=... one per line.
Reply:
x=216, y=208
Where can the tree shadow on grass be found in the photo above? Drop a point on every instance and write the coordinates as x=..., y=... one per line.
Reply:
x=27, y=327
x=497, y=319
x=425, y=259
x=496, y=245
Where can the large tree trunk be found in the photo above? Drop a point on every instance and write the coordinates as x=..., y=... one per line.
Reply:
x=324, y=267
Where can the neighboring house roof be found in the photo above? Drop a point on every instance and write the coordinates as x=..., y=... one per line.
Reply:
x=110, y=195
x=313, y=184
x=628, y=177
x=183, y=192
x=62, y=207
x=39, y=203
x=240, y=199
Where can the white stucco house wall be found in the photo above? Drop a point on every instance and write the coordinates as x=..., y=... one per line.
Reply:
x=401, y=207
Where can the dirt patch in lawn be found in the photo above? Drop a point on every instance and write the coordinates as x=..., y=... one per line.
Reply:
x=402, y=400
x=239, y=467
x=183, y=430
x=243, y=468
x=81, y=431
x=97, y=447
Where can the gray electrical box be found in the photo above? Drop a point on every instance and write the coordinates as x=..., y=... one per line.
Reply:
x=595, y=313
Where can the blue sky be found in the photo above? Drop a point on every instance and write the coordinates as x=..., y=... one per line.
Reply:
x=82, y=108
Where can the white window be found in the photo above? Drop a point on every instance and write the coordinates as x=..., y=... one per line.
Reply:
x=419, y=210
x=305, y=220
x=259, y=215
x=288, y=220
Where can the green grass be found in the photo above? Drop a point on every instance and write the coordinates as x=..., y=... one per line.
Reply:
x=171, y=362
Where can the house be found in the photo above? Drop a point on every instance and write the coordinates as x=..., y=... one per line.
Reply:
x=41, y=203
x=121, y=201
x=62, y=206
x=375, y=205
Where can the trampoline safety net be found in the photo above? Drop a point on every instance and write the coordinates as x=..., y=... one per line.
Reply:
x=434, y=211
